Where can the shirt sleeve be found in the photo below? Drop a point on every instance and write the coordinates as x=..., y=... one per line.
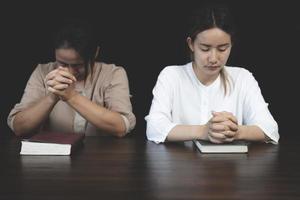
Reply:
x=159, y=120
x=117, y=97
x=34, y=90
x=256, y=110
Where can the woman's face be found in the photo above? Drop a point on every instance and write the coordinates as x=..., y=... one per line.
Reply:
x=211, y=50
x=69, y=58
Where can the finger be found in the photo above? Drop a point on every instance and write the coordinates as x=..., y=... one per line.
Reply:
x=214, y=113
x=218, y=127
x=51, y=75
x=227, y=140
x=63, y=71
x=51, y=83
x=63, y=80
x=229, y=134
x=215, y=135
x=230, y=125
x=51, y=89
x=218, y=119
x=60, y=86
x=223, y=116
x=213, y=140
x=66, y=74
x=230, y=116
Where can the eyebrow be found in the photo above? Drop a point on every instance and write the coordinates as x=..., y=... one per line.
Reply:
x=221, y=45
x=62, y=62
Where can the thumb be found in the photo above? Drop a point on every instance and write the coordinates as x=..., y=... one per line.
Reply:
x=214, y=113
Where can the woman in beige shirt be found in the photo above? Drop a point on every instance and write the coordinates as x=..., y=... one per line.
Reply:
x=75, y=93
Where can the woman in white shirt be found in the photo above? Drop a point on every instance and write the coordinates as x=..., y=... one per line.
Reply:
x=205, y=99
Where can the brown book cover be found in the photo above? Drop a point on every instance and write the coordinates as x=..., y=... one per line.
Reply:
x=51, y=143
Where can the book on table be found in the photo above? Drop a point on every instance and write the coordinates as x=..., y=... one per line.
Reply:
x=232, y=147
x=51, y=143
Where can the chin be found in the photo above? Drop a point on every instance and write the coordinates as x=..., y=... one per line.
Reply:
x=213, y=71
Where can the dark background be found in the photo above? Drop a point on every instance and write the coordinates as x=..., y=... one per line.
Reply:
x=146, y=36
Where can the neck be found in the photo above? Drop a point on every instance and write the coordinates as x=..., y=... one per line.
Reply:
x=203, y=78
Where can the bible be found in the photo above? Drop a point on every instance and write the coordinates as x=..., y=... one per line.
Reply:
x=232, y=147
x=50, y=143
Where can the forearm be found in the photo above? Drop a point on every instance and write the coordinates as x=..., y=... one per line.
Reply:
x=31, y=118
x=251, y=133
x=102, y=118
x=187, y=132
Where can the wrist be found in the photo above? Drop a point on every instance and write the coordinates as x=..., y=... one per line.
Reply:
x=71, y=97
x=53, y=98
x=240, y=135
x=202, y=132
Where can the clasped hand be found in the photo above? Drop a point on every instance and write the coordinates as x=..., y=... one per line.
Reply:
x=60, y=82
x=222, y=127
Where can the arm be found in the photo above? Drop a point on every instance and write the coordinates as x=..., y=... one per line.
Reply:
x=159, y=119
x=35, y=106
x=223, y=128
x=103, y=118
x=188, y=132
x=31, y=118
x=160, y=127
x=99, y=116
x=259, y=124
x=251, y=133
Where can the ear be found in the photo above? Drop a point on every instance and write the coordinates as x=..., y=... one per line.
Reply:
x=97, y=52
x=190, y=44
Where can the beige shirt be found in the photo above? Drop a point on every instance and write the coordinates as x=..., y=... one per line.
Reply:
x=108, y=87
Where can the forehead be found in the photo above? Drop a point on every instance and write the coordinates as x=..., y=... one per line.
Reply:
x=67, y=54
x=213, y=36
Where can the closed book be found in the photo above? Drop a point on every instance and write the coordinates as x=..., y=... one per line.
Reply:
x=232, y=147
x=51, y=143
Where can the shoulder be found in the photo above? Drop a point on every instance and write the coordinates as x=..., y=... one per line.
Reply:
x=239, y=73
x=109, y=73
x=242, y=78
x=44, y=69
x=174, y=71
x=108, y=69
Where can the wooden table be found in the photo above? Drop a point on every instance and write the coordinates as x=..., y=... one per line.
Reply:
x=133, y=168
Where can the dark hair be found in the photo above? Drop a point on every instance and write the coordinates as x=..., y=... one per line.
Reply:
x=78, y=35
x=213, y=16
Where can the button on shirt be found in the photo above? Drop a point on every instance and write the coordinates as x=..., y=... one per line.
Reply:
x=179, y=98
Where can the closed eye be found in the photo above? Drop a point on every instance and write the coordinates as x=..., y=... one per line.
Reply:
x=223, y=47
x=204, y=49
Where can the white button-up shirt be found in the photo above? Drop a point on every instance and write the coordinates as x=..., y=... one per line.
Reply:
x=180, y=98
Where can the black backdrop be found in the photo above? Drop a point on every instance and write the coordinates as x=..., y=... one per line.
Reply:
x=146, y=36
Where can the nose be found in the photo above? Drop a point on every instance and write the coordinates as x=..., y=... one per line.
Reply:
x=213, y=56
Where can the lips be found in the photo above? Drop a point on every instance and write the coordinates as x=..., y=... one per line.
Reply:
x=213, y=67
